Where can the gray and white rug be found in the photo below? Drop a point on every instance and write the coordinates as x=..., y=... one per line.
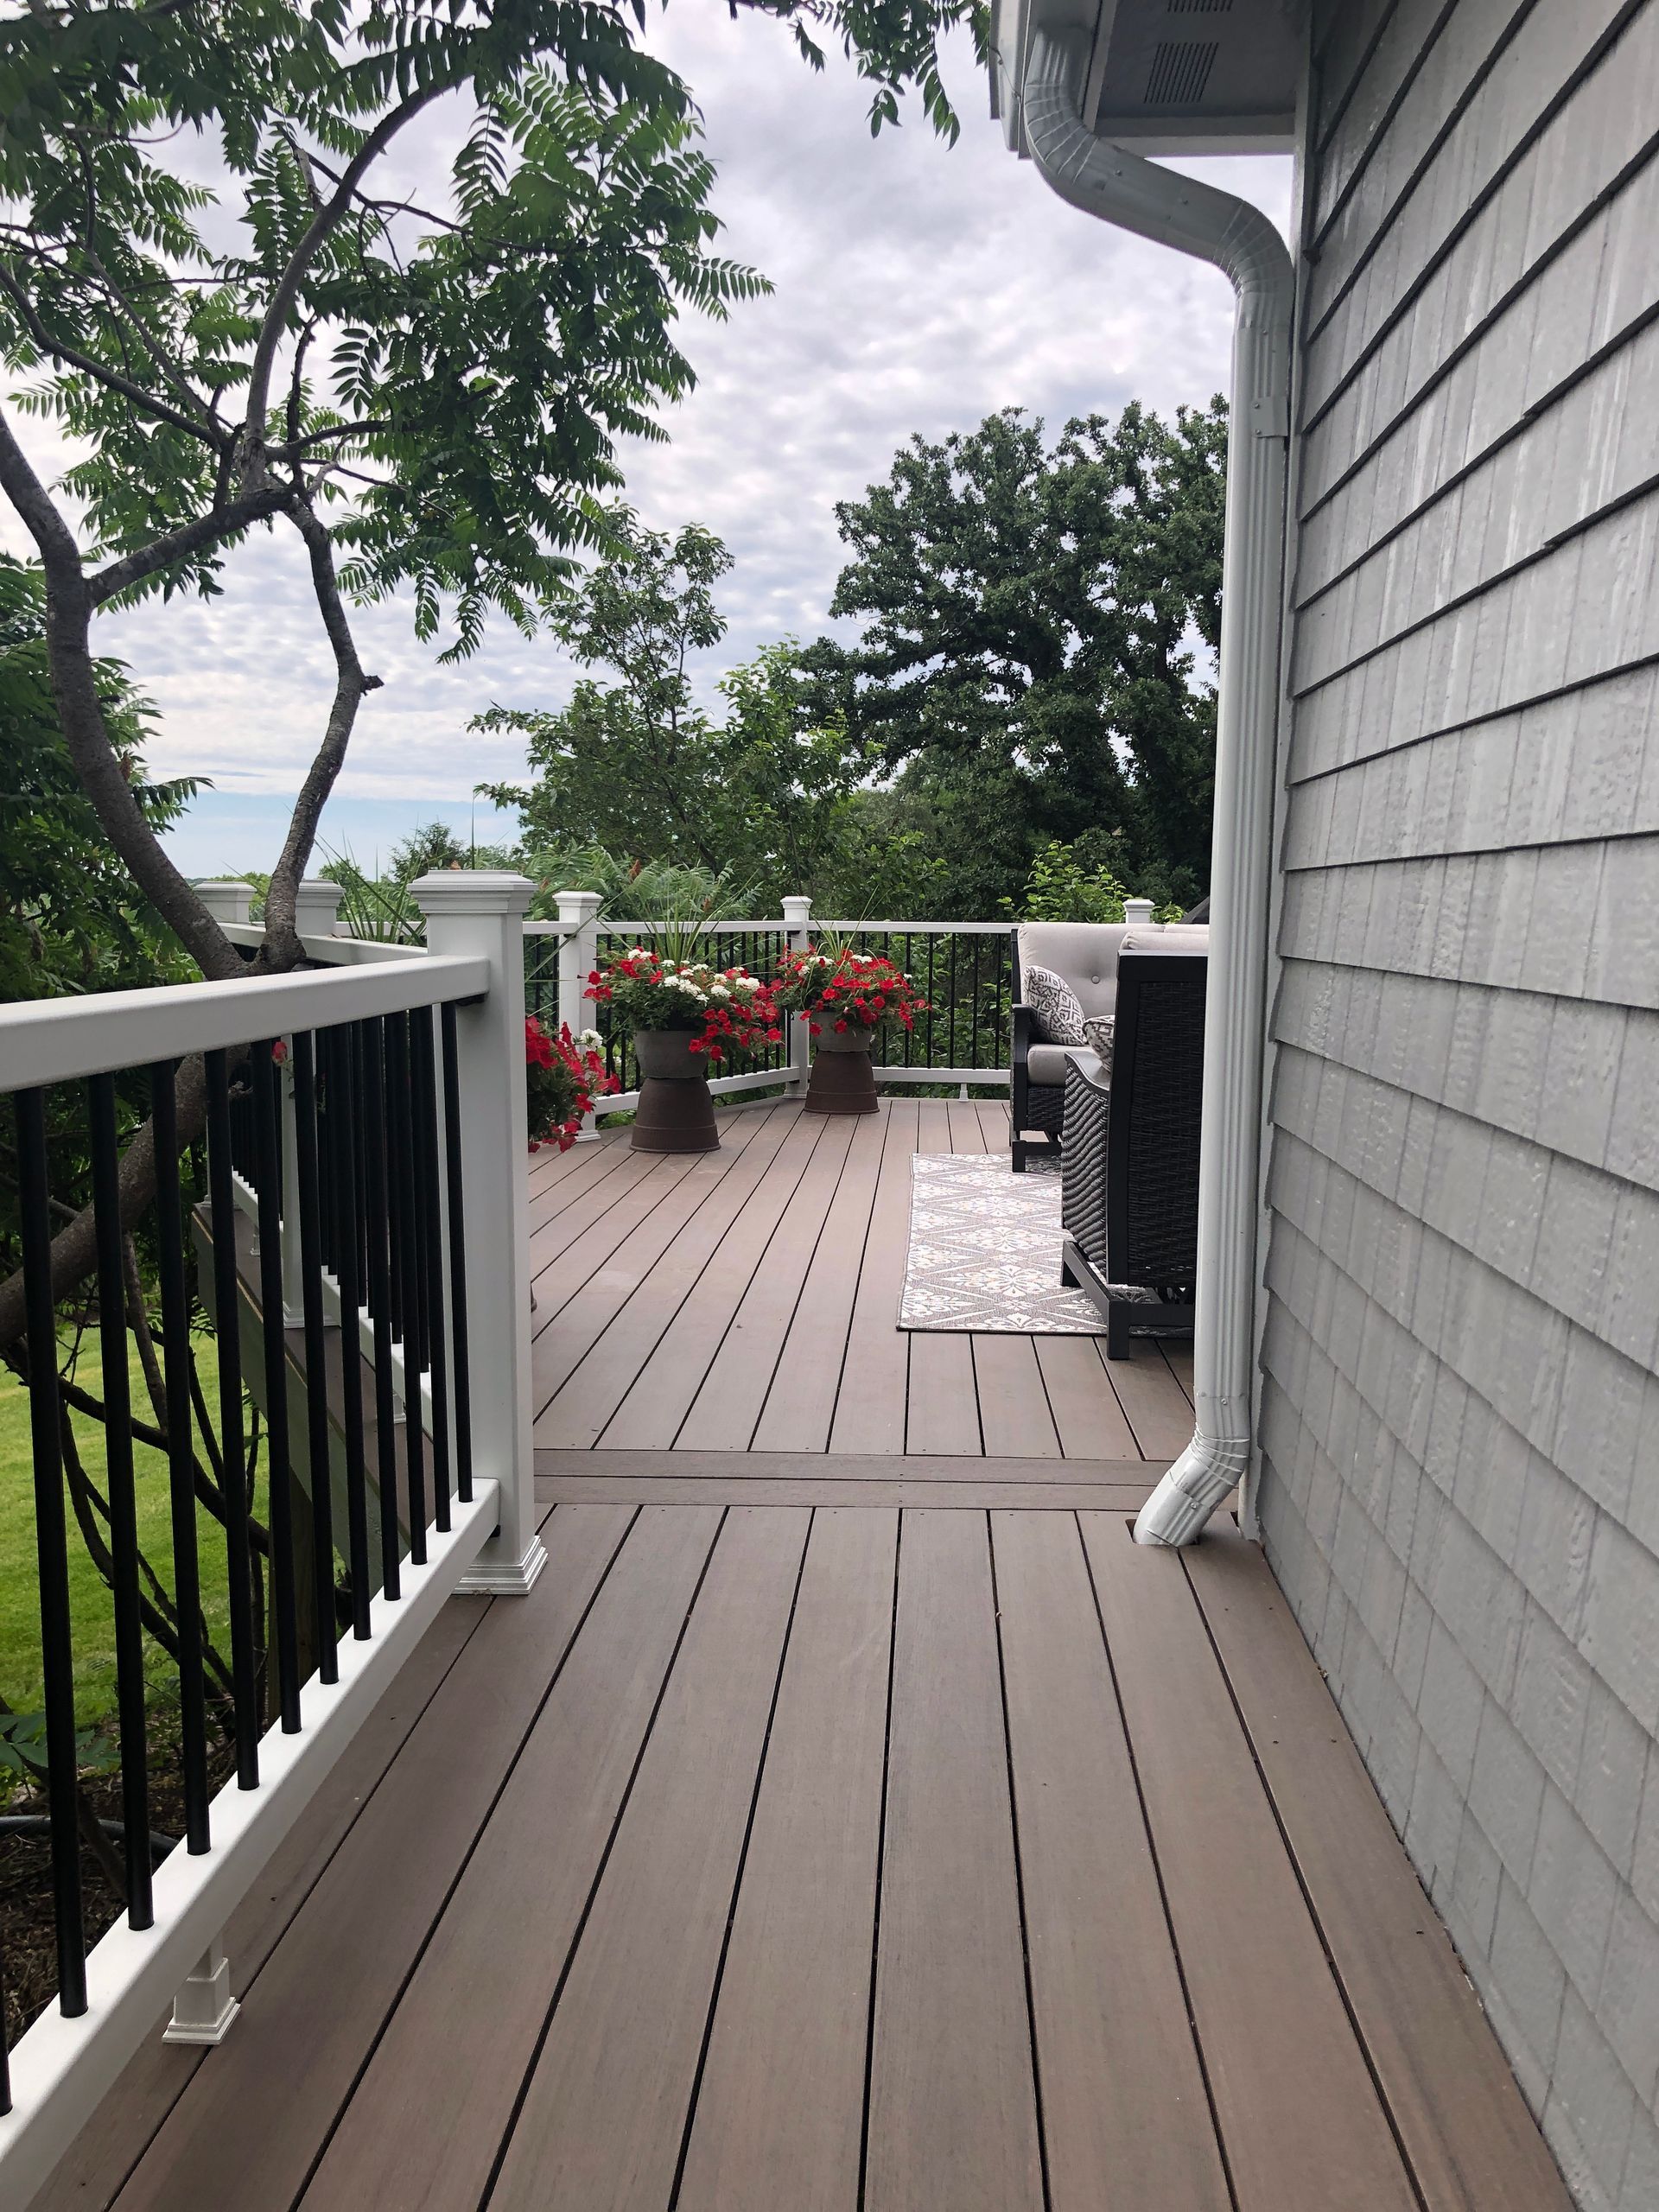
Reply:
x=985, y=1251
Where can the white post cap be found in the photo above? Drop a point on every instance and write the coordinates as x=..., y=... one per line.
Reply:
x=316, y=907
x=1138, y=912
x=796, y=910
x=578, y=907
x=227, y=902
x=472, y=891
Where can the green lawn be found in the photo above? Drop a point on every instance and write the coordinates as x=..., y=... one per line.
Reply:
x=89, y=1601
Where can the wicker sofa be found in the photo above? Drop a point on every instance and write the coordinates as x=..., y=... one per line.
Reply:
x=1130, y=1200
x=1085, y=954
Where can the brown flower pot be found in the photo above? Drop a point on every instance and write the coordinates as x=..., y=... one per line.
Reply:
x=842, y=1080
x=675, y=1112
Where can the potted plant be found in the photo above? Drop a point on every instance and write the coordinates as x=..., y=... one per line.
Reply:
x=564, y=1075
x=845, y=996
x=686, y=1016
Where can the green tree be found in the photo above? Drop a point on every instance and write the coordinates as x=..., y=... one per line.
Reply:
x=71, y=918
x=635, y=767
x=429, y=396
x=1038, y=626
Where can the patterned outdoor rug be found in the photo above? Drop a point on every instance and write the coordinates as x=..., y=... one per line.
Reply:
x=985, y=1251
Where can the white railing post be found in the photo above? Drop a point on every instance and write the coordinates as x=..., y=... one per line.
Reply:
x=796, y=909
x=227, y=902
x=578, y=957
x=1138, y=912
x=481, y=914
x=316, y=907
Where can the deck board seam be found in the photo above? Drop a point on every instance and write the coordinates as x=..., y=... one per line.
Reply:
x=737, y=1878
x=539, y=2044
x=772, y=1234
x=1018, y=1871
x=1316, y=1919
x=1158, y=1873
x=881, y=1871
x=486, y=1814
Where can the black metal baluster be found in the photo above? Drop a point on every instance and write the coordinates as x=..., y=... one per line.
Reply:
x=180, y=1453
x=977, y=1012
x=909, y=969
x=950, y=1028
x=52, y=1550
x=372, y=1113
x=232, y=1443
x=123, y=1501
x=340, y=1047
x=429, y=1206
x=318, y=1439
x=406, y=1269
x=361, y=1092
x=453, y=1193
x=280, y=1517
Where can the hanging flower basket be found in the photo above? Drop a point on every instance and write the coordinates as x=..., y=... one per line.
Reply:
x=845, y=996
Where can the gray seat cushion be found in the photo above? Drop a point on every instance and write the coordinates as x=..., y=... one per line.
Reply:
x=1046, y=1063
x=1173, y=937
x=1085, y=953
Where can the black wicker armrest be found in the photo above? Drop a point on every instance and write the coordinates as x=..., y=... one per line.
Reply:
x=1025, y=1034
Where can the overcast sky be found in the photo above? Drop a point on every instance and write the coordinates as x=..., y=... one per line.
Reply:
x=917, y=288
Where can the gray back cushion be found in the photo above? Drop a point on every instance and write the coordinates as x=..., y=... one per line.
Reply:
x=1174, y=936
x=1085, y=953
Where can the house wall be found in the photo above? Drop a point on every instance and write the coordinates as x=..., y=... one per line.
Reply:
x=1459, y=1413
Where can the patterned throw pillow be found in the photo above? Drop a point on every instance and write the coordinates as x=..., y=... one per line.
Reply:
x=1056, y=1008
x=1100, y=1029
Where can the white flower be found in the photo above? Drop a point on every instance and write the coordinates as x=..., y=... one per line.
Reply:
x=590, y=1041
x=718, y=991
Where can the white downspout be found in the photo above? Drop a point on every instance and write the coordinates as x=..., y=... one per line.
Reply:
x=1216, y=226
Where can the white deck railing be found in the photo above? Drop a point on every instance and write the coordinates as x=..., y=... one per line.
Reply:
x=471, y=967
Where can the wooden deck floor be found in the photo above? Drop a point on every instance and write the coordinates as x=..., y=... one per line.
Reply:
x=774, y=1859
x=743, y=1301
x=828, y=1831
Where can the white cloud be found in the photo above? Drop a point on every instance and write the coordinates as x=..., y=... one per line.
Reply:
x=919, y=287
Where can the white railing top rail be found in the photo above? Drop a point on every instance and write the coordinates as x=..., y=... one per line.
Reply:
x=775, y=925
x=333, y=951
x=55, y=1040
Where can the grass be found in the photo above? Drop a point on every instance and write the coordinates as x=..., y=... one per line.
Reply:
x=91, y=1607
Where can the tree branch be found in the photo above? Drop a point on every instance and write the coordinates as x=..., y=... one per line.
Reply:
x=317, y=234
x=72, y=357
x=223, y=519
x=352, y=683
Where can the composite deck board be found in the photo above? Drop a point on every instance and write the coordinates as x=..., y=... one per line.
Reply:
x=1153, y=1403
x=850, y=1467
x=801, y=1402
x=597, y=1199
x=870, y=1408
x=567, y=1273
x=779, y=2110
x=807, y=1488
x=658, y=1919
x=1469, y=2138
x=727, y=1407
x=113, y=2140
x=1300, y=2120
x=952, y=2122
x=1126, y=2114
x=603, y=2116
x=1013, y=1409
x=651, y=1259
x=665, y=1386
x=430, y=2116
x=248, y=2126
x=1088, y=1419
x=943, y=1412
x=598, y=1384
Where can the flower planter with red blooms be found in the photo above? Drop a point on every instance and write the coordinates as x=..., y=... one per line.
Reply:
x=564, y=1075
x=687, y=1018
x=846, y=997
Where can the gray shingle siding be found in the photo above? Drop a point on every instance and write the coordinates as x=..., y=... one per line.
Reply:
x=1460, y=1350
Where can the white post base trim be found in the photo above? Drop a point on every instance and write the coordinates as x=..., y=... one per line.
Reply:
x=498, y=1574
x=203, y=2007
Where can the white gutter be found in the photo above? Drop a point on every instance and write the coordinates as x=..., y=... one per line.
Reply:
x=1216, y=226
